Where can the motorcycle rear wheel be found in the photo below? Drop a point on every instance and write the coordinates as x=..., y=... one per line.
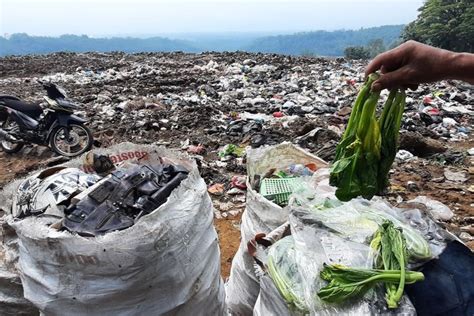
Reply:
x=80, y=140
x=9, y=147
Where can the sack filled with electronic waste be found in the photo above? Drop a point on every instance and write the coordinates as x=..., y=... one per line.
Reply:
x=344, y=258
x=126, y=230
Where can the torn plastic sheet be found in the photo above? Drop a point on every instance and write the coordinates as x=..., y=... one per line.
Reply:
x=47, y=191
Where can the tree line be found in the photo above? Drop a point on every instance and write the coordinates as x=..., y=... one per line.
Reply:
x=22, y=44
x=447, y=24
x=321, y=43
x=325, y=43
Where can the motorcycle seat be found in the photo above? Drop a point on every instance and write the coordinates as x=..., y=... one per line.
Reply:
x=30, y=109
x=4, y=97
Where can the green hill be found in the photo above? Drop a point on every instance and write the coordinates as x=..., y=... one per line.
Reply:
x=324, y=43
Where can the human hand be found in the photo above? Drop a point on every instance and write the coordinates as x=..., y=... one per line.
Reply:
x=410, y=64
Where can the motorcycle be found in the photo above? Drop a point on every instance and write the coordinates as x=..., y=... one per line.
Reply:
x=54, y=126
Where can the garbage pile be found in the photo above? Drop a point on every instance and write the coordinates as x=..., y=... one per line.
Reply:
x=222, y=93
x=214, y=99
x=137, y=237
x=215, y=106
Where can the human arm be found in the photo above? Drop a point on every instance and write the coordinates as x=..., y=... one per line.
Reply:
x=413, y=63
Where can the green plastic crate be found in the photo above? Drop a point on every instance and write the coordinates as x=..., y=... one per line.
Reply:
x=278, y=190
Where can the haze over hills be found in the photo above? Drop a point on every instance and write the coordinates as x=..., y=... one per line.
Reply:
x=22, y=44
x=323, y=43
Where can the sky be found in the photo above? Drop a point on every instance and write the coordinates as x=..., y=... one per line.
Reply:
x=161, y=17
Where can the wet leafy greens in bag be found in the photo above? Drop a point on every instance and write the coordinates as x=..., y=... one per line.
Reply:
x=391, y=263
x=347, y=283
x=283, y=269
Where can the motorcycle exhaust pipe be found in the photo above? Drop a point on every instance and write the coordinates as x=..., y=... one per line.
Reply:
x=4, y=134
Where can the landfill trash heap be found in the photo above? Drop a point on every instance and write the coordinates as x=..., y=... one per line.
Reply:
x=214, y=105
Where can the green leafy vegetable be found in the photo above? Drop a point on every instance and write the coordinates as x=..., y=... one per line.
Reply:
x=231, y=149
x=368, y=147
x=389, y=242
x=346, y=283
x=352, y=163
x=389, y=123
x=283, y=270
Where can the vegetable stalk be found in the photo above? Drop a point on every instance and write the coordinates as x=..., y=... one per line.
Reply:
x=368, y=147
x=389, y=242
x=389, y=123
x=346, y=283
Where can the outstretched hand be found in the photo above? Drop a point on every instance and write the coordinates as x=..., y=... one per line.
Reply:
x=413, y=63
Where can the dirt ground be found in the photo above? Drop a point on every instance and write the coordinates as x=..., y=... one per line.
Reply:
x=229, y=240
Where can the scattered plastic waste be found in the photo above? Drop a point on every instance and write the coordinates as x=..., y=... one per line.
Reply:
x=197, y=150
x=437, y=209
x=216, y=189
x=404, y=156
x=239, y=182
x=456, y=176
x=213, y=99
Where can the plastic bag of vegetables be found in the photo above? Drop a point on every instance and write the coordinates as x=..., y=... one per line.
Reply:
x=368, y=146
x=358, y=219
x=293, y=268
x=390, y=269
x=282, y=266
x=294, y=264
